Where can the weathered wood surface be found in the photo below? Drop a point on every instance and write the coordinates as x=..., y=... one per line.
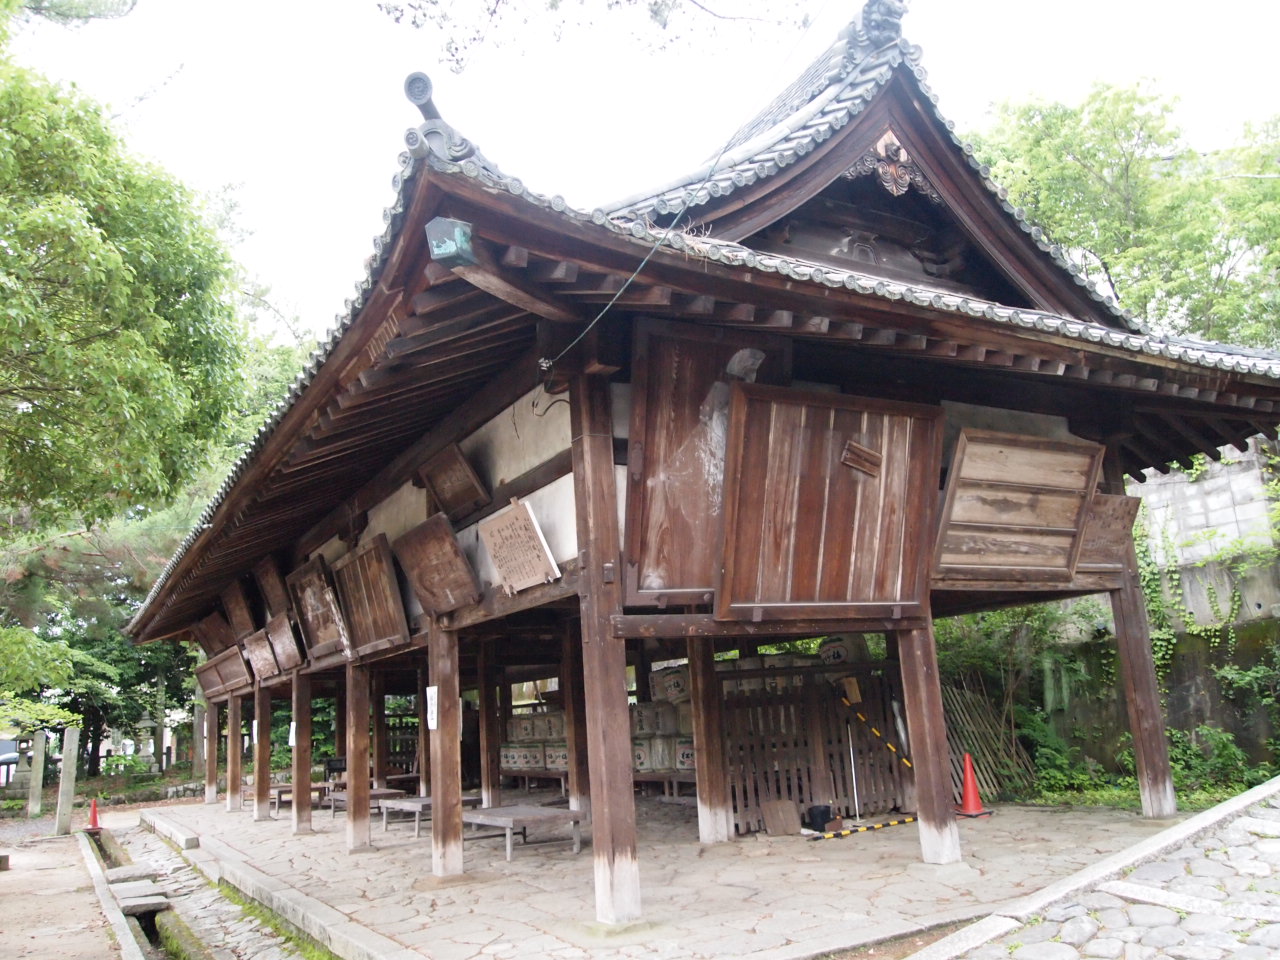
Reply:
x=271, y=585
x=679, y=398
x=214, y=633
x=284, y=645
x=1015, y=508
x=236, y=606
x=224, y=673
x=234, y=747
x=453, y=483
x=491, y=729
x=1108, y=533
x=258, y=647
x=575, y=720
x=370, y=597
x=301, y=696
x=807, y=536
x=357, y=754
x=519, y=552
x=446, y=755
x=261, y=753
x=438, y=570
x=324, y=629
x=211, y=731
x=715, y=811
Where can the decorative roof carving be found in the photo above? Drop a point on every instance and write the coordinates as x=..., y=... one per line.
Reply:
x=882, y=21
x=435, y=137
x=893, y=167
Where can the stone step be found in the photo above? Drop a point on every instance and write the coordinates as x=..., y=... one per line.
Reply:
x=142, y=870
x=1140, y=893
x=137, y=888
x=133, y=906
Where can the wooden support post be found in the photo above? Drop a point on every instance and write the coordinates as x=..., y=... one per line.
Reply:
x=35, y=789
x=575, y=718
x=197, y=735
x=930, y=759
x=301, y=806
x=644, y=688
x=715, y=813
x=357, y=758
x=490, y=729
x=424, y=738
x=67, y=780
x=211, y=711
x=235, y=749
x=1138, y=670
x=261, y=752
x=340, y=723
x=446, y=754
x=604, y=658
x=381, y=746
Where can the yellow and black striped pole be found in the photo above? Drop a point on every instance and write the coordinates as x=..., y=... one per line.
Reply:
x=870, y=726
x=865, y=828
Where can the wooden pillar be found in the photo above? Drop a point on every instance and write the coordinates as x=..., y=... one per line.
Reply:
x=575, y=717
x=644, y=689
x=211, y=752
x=301, y=806
x=1138, y=674
x=604, y=660
x=446, y=754
x=357, y=758
x=927, y=728
x=235, y=748
x=715, y=813
x=381, y=746
x=424, y=738
x=197, y=734
x=340, y=722
x=261, y=753
x=490, y=729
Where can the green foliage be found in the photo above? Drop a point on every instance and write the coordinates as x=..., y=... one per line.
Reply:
x=1189, y=242
x=119, y=350
x=1058, y=765
x=123, y=765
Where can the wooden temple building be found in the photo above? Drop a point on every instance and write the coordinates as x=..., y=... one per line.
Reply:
x=832, y=385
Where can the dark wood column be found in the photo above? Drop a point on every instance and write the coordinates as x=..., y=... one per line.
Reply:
x=604, y=660
x=1138, y=674
x=715, y=814
x=340, y=722
x=301, y=806
x=424, y=738
x=261, y=753
x=233, y=753
x=446, y=754
x=211, y=712
x=380, y=747
x=357, y=757
x=575, y=717
x=927, y=729
x=490, y=728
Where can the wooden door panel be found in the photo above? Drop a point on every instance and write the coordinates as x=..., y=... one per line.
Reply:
x=370, y=597
x=824, y=501
x=324, y=629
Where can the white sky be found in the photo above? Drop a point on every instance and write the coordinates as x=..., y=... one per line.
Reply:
x=300, y=104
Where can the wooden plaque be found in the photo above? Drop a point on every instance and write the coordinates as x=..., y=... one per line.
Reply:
x=518, y=550
x=438, y=570
x=225, y=673
x=453, y=484
x=324, y=630
x=370, y=597
x=236, y=606
x=283, y=643
x=271, y=586
x=263, y=661
x=214, y=634
x=1015, y=508
x=680, y=389
x=829, y=504
x=1108, y=533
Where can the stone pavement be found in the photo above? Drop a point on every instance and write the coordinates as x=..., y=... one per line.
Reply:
x=767, y=899
x=1210, y=891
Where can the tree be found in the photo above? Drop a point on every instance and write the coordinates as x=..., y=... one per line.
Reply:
x=119, y=348
x=1187, y=241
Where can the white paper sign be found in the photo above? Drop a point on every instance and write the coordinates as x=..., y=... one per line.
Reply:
x=433, y=708
x=293, y=733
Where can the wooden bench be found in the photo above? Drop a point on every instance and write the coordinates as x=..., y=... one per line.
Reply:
x=376, y=796
x=280, y=790
x=417, y=806
x=520, y=817
x=528, y=776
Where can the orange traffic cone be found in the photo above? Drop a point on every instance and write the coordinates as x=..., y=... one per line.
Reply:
x=93, y=814
x=970, y=802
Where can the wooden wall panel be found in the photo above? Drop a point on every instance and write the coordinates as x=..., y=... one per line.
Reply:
x=324, y=629
x=826, y=506
x=1015, y=508
x=679, y=399
x=370, y=597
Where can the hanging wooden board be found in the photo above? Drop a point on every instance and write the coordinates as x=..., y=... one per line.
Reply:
x=283, y=643
x=454, y=486
x=829, y=504
x=517, y=548
x=214, y=634
x=370, y=597
x=258, y=647
x=1108, y=533
x=680, y=382
x=1015, y=508
x=437, y=569
x=223, y=674
x=236, y=606
x=271, y=586
x=324, y=629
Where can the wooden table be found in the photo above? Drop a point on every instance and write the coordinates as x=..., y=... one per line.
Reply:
x=279, y=790
x=521, y=817
x=417, y=806
x=376, y=795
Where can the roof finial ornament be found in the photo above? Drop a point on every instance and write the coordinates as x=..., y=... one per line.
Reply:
x=435, y=137
x=882, y=21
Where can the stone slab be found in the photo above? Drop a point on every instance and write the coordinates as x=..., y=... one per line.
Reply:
x=143, y=870
x=1140, y=893
x=135, y=906
x=181, y=837
x=130, y=889
x=129, y=949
